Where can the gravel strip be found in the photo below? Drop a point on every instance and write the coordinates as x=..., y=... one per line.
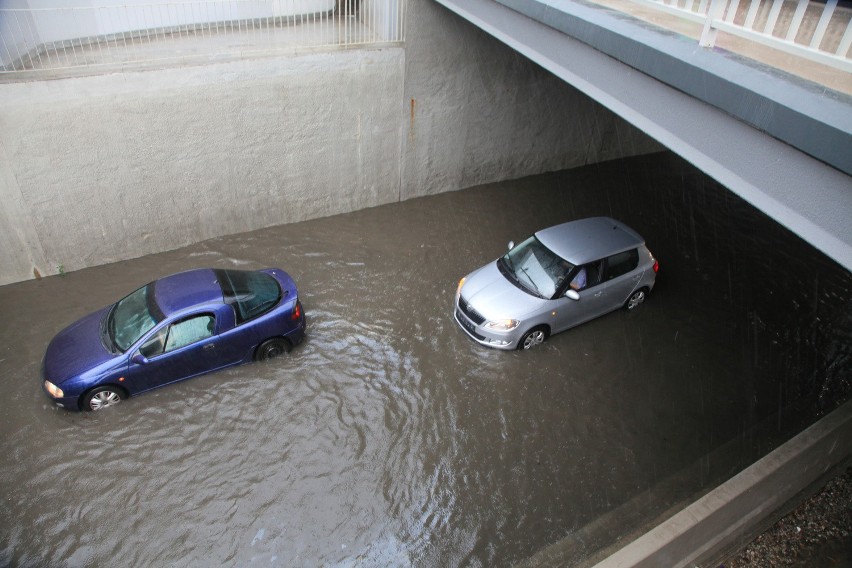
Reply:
x=817, y=533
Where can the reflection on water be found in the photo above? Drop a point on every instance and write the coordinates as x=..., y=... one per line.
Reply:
x=389, y=438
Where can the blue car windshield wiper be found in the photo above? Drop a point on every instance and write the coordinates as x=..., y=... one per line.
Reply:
x=108, y=330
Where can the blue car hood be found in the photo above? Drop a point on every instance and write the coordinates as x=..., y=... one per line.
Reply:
x=489, y=292
x=76, y=349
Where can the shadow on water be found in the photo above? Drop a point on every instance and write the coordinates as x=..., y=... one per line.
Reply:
x=388, y=437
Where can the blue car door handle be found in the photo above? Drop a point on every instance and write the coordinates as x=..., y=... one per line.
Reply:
x=209, y=346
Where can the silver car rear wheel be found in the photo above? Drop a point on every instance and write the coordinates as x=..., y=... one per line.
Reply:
x=635, y=299
x=532, y=338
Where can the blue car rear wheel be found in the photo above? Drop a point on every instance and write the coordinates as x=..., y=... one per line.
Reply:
x=272, y=348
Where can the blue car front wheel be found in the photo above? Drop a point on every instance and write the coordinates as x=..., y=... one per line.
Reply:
x=103, y=397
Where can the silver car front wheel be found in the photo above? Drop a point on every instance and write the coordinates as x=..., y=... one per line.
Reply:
x=532, y=338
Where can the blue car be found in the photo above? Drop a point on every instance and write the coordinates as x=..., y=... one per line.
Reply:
x=172, y=329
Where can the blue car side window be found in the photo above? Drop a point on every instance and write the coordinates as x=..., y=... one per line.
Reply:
x=189, y=331
x=154, y=346
x=179, y=335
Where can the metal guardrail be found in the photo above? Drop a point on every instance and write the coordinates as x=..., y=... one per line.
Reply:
x=139, y=31
x=818, y=31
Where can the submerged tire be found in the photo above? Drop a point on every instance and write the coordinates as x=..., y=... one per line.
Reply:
x=534, y=337
x=103, y=397
x=272, y=348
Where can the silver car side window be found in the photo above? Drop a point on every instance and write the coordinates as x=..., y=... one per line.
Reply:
x=587, y=276
x=620, y=263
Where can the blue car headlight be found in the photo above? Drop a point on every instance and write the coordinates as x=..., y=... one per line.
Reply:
x=54, y=390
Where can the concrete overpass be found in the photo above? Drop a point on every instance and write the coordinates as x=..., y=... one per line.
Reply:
x=782, y=143
x=778, y=141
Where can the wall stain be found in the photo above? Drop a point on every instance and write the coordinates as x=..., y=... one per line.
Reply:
x=411, y=120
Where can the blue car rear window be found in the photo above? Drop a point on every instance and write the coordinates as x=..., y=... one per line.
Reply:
x=251, y=294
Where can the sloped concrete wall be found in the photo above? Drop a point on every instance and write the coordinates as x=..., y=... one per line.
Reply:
x=477, y=111
x=115, y=166
x=105, y=168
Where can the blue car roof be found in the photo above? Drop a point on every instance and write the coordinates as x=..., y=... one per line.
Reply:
x=187, y=289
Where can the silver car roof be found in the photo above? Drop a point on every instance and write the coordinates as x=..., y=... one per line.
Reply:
x=590, y=239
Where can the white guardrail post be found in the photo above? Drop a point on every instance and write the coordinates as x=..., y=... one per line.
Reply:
x=716, y=12
x=818, y=31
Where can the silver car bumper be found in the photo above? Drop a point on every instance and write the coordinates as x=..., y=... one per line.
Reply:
x=496, y=340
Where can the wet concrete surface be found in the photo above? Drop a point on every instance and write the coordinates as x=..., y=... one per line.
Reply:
x=388, y=438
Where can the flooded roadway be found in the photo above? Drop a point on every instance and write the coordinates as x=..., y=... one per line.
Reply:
x=389, y=438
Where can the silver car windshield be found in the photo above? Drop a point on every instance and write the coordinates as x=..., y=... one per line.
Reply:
x=536, y=268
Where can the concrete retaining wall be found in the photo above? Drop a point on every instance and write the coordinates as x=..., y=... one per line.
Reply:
x=734, y=513
x=104, y=168
x=714, y=527
x=476, y=111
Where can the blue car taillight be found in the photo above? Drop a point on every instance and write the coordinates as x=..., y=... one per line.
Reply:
x=296, y=315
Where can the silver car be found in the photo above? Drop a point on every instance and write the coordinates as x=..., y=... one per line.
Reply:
x=558, y=278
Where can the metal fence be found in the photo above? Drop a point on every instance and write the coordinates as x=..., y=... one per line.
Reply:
x=43, y=39
x=819, y=31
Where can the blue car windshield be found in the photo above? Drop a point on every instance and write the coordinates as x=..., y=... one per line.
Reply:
x=132, y=317
x=536, y=268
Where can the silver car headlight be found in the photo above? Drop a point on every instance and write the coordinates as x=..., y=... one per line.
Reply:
x=54, y=390
x=502, y=325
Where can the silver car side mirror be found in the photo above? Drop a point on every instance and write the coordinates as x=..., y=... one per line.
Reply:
x=572, y=293
x=511, y=245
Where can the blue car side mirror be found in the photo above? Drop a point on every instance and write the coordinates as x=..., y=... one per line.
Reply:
x=139, y=359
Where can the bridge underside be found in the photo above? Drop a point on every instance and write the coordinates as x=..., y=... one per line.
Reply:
x=763, y=134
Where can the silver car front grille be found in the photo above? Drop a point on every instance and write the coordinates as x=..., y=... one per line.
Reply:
x=472, y=314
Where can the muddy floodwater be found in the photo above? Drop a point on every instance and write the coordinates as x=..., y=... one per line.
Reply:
x=389, y=438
